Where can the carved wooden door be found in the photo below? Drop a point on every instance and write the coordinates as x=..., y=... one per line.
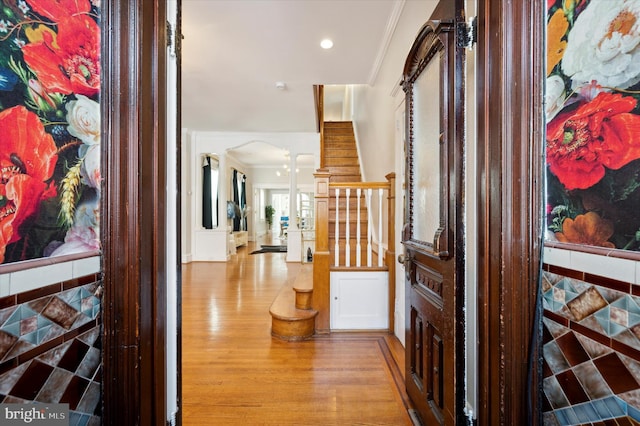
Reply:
x=433, y=234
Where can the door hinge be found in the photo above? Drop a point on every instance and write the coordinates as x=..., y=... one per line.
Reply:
x=467, y=33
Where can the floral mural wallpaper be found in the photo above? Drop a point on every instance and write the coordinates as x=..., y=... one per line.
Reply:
x=593, y=122
x=49, y=128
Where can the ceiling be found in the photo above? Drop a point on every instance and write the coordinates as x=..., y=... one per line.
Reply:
x=235, y=51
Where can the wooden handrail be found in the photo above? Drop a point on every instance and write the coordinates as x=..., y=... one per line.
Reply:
x=361, y=185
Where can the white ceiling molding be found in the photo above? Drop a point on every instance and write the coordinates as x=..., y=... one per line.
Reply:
x=386, y=40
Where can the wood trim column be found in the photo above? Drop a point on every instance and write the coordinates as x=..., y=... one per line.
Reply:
x=510, y=146
x=133, y=211
x=321, y=261
x=390, y=257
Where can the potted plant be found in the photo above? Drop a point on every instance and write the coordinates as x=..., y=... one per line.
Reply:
x=268, y=214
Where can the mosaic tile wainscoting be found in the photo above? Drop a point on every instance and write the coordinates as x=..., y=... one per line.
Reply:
x=591, y=348
x=50, y=347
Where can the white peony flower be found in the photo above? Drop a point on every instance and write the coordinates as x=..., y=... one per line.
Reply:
x=554, y=96
x=84, y=235
x=83, y=116
x=90, y=170
x=603, y=45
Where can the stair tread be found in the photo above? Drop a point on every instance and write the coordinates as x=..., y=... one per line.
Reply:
x=304, y=281
x=284, y=305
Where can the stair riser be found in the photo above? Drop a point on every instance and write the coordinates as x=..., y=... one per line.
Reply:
x=293, y=330
x=304, y=300
x=336, y=162
x=345, y=178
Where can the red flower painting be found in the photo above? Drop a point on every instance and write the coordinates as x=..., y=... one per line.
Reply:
x=56, y=10
x=70, y=62
x=27, y=162
x=588, y=229
x=598, y=135
x=49, y=128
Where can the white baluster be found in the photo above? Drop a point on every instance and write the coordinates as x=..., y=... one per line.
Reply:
x=347, y=246
x=337, y=229
x=358, y=247
x=369, y=220
x=380, y=191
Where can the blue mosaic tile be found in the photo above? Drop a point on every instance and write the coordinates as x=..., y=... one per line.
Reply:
x=559, y=295
x=23, y=312
x=74, y=418
x=586, y=413
x=566, y=416
x=31, y=337
x=614, y=406
x=555, y=358
x=622, y=404
x=13, y=329
x=628, y=305
x=561, y=417
x=602, y=409
x=90, y=306
x=6, y=313
x=42, y=333
x=611, y=328
x=84, y=419
x=633, y=412
x=72, y=298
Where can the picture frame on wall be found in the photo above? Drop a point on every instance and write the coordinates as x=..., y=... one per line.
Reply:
x=50, y=182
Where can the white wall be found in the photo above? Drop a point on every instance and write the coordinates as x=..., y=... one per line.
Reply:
x=211, y=245
x=186, y=202
x=374, y=105
x=266, y=179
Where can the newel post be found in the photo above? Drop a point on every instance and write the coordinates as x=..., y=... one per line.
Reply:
x=321, y=256
x=390, y=256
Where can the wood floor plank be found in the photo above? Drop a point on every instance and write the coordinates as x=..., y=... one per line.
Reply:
x=235, y=373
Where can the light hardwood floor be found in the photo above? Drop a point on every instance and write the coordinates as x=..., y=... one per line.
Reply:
x=235, y=373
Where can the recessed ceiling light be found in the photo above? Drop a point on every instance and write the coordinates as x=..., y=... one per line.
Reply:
x=326, y=43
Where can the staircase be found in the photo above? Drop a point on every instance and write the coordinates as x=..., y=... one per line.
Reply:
x=292, y=317
x=341, y=159
x=340, y=152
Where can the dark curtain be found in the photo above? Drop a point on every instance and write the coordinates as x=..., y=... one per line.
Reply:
x=207, y=219
x=243, y=200
x=236, y=201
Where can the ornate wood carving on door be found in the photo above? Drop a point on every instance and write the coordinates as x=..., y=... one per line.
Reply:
x=433, y=232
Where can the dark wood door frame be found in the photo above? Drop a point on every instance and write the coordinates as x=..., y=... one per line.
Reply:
x=509, y=106
x=133, y=211
x=510, y=131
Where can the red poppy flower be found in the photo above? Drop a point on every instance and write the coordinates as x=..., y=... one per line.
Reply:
x=56, y=10
x=597, y=135
x=71, y=62
x=27, y=160
x=588, y=229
